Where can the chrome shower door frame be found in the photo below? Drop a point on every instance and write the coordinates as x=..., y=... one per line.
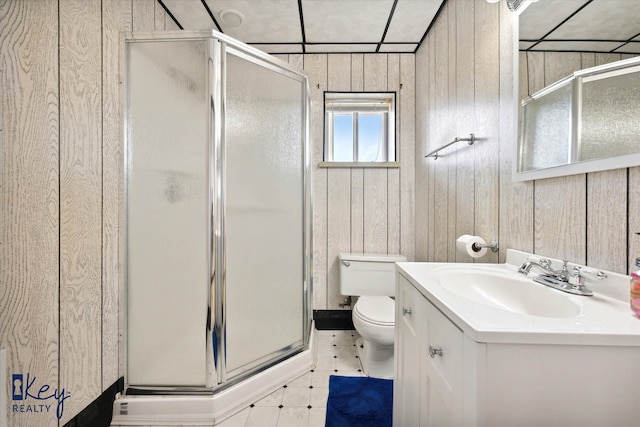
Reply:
x=230, y=46
x=216, y=377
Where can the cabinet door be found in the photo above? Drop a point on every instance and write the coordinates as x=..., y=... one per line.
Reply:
x=409, y=340
x=441, y=373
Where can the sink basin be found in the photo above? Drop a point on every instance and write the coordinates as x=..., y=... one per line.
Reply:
x=506, y=290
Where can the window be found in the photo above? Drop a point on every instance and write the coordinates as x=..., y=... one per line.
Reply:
x=359, y=127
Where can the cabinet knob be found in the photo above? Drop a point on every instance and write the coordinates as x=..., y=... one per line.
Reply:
x=406, y=310
x=435, y=351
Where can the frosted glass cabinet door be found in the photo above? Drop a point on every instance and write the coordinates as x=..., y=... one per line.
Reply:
x=610, y=117
x=546, y=133
x=264, y=213
x=167, y=202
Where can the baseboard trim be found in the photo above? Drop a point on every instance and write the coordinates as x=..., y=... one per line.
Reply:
x=100, y=411
x=334, y=320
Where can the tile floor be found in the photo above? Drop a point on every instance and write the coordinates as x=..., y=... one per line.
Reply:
x=303, y=401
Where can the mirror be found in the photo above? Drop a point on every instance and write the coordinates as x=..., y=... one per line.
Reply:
x=557, y=39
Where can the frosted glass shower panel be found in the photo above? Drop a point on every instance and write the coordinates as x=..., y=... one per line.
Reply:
x=167, y=205
x=609, y=123
x=264, y=213
x=546, y=132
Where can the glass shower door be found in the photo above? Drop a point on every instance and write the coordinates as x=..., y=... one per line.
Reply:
x=216, y=242
x=264, y=200
x=167, y=212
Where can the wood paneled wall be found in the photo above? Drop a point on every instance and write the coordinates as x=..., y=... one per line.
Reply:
x=465, y=83
x=59, y=161
x=458, y=89
x=359, y=209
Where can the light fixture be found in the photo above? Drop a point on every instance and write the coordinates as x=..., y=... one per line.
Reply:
x=231, y=18
x=519, y=5
x=515, y=5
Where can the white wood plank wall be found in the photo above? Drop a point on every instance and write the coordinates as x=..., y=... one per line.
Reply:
x=360, y=209
x=589, y=218
x=458, y=81
x=59, y=161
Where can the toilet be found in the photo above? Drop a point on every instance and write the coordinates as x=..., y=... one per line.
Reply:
x=371, y=277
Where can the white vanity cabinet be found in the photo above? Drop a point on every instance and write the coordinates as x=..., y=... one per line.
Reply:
x=459, y=363
x=429, y=367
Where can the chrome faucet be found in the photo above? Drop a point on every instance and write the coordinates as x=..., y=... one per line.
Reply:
x=543, y=264
x=562, y=280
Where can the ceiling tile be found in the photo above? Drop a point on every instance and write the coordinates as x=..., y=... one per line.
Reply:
x=265, y=21
x=629, y=48
x=577, y=46
x=340, y=48
x=190, y=14
x=395, y=47
x=602, y=20
x=352, y=21
x=544, y=15
x=410, y=20
x=279, y=48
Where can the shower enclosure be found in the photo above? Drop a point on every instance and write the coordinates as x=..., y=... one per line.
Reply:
x=217, y=226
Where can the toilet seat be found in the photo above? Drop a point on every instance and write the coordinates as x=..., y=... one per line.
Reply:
x=376, y=310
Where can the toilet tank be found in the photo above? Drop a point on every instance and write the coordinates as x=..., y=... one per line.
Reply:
x=368, y=274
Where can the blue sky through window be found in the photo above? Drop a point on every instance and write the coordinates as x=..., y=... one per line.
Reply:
x=343, y=138
x=369, y=137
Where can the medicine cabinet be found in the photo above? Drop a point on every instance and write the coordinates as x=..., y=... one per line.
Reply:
x=588, y=121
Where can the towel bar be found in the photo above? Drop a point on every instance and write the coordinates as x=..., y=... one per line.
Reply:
x=434, y=153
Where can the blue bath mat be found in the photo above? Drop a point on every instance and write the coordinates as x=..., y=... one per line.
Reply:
x=359, y=402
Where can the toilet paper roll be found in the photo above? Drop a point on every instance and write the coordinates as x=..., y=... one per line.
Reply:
x=465, y=244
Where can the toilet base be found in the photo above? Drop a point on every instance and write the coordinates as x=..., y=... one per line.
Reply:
x=376, y=361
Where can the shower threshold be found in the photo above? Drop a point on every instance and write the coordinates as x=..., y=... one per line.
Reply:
x=199, y=410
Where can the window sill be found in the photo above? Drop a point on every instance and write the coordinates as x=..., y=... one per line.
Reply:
x=358, y=164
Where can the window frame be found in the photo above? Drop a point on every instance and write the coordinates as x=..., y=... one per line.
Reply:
x=356, y=104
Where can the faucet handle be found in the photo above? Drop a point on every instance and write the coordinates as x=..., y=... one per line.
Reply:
x=574, y=277
x=576, y=282
x=598, y=273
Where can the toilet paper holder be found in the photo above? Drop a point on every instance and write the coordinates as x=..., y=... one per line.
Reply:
x=493, y=245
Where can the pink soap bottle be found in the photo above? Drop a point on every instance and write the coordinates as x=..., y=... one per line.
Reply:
x=635, y=289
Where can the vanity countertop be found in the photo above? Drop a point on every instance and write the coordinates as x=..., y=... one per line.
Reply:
x=602, y=319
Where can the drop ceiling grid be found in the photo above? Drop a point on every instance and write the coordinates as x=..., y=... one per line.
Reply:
x=581, y=25
x=597, y=18
x=358, y=26
x=190, y=14
x=539, y=20
x=411, y=18
x=276, y=26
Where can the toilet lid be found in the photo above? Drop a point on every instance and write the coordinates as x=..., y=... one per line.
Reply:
x=377, y=310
